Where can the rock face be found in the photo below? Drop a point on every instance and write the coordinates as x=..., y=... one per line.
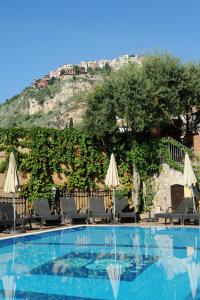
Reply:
x=51, y=106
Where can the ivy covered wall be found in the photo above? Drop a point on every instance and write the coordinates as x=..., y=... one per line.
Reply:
x=69, y=159
x=43, y=154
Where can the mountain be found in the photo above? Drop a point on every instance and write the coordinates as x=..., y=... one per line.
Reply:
x=59, y=98
x=54, y=105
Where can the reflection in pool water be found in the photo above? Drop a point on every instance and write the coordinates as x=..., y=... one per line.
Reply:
x=102, y=263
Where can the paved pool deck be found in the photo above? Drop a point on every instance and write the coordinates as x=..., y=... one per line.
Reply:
x=36, y=228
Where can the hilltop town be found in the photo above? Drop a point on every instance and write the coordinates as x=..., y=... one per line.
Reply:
x=85, y=67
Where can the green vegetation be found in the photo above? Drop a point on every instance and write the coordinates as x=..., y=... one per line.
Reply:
x=42, y=152
x=48, y=151
x=45, y=93
x=156, y=95
x=19, y=110
x=106, y=70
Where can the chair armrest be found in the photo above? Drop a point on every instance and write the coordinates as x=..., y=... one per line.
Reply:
x=172, y=208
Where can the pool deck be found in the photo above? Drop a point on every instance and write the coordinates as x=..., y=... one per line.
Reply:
x=36, y=228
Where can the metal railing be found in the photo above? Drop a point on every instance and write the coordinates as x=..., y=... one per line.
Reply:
x=177, y=150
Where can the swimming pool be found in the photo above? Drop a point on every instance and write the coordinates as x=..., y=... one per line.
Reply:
x=115, y=262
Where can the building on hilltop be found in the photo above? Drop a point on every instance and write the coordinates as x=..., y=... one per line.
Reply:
x=41, y=83
x=82, y=68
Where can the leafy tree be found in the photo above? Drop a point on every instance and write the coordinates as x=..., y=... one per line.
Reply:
x=147, y=96
x=157, y=94
x=76, y=70
x=106, y=69
x=51, y=80
x=189, y=95
x=100, y=117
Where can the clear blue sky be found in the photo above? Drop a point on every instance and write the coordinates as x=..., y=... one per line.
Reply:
x=37, y=36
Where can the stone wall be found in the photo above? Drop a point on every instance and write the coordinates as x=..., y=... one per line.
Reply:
x=163, y=183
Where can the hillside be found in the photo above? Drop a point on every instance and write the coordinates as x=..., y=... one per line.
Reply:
x=51, y=106
x=59, y=97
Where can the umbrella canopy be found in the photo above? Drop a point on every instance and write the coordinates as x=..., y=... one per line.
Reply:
x=12, y=182
x=112, y=179
x=189, y=179
x=189, y=176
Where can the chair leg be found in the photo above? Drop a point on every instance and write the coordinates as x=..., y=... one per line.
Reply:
x=41, y=224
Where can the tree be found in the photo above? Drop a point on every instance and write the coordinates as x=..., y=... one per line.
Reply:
x=76, y=70
x=153, y=95
x=106, y=69
x=189, y=95
x=100, y=117
x=147, y=96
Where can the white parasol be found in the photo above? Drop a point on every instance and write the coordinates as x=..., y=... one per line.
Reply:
x=12, y=183
x=112, y=179
x=189, y=177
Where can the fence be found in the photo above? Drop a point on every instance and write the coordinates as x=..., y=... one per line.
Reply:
x=81, y=198
x=20, y=203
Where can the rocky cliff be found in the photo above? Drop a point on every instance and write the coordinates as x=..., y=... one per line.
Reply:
x=54, y=106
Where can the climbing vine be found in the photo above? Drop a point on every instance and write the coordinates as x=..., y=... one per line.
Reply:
x=42, y=152
x=76, y=160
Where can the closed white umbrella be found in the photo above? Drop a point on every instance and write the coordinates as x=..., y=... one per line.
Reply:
x=112, y=179
x=189, y=176
x=12, y=182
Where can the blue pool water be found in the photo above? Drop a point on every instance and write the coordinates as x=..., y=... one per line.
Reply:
x=102, y=263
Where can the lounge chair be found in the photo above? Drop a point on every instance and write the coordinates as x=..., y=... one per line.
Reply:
x=182, y=212
x=7, y=216
x=43, y=214
x=97, y=209
x=123, y=211
x=69, y=211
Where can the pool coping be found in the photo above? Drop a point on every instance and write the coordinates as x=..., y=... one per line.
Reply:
x=95, y=225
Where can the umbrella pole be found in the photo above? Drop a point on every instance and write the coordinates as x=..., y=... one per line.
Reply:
x=14, y=213
x=193, y=199
x=114, y=206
